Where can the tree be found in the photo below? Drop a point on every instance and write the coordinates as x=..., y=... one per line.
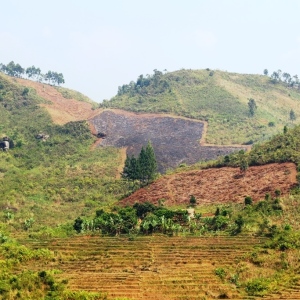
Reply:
x=252, y=107
x=287, y=77
x=292, y=115
x=275, y=77
x=266, y=72
x=78, y=224
x=142, y=168
x=151, y=163
x=193, y=200
x=33, y=72
x=248, y=200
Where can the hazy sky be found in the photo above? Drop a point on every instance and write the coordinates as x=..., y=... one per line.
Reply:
x=101, y=44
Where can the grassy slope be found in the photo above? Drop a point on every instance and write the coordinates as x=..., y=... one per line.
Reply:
x=62, y=171
x=55, y=181
x=221, y=99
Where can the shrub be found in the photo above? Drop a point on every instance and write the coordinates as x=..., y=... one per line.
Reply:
x=193, y=200
x=220, y=272
x=257, y=287
x=248, y=200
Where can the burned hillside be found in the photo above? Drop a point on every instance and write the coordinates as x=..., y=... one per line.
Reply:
x=175, y=140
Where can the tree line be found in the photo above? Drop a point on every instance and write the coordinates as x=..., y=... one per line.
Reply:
x=154, y=84
x=279, y=76
x=15, y=70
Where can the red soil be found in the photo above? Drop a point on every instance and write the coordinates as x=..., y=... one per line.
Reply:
x=62, y=110
x=219, y=185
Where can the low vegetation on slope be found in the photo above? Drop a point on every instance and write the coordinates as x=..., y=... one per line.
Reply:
x=53, y=185
x=221, y=98
x=49, y=171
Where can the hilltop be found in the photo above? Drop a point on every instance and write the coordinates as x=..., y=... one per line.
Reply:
x=218, y=97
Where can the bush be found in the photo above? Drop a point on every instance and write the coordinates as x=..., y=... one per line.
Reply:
x=221, y=273
x=193, y=200
x=257, y=287
x=248, y=200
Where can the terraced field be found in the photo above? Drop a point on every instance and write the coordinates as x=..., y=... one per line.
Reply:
x=151, y=267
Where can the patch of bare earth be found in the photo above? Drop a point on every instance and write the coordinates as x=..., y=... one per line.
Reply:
x=62, y=110
x=219, y=185
x=176, y=140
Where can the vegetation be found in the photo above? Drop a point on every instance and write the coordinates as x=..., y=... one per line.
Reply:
x=60, y=188
x=15, y=70
x=143, y=168
x=283, y=147
x=221, y=98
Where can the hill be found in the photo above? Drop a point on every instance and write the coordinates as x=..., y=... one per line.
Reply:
x=220, y=98
x=176, y=140
x=218, y=185
x=58, y=188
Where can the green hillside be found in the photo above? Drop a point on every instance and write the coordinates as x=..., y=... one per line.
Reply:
x=49, y=185
x=49, y=180
x=221, y=98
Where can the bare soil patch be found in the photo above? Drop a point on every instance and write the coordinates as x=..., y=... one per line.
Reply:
x=219, y=185
x=62, y=110
x=175, y=140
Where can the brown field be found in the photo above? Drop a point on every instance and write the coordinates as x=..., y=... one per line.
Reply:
x=219, y=185
x=176, y=140
x=150, y=267
x=154, y=267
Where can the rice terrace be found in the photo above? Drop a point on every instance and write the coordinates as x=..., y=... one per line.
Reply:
x=182, y=186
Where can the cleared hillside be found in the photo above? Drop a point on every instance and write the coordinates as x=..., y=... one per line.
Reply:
x=176, y=140
x=218, y=185
x=63, y=105
x=219, y=97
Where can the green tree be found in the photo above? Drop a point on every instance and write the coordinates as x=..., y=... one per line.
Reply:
x=248, y=200
x=151, y=163
x=292, y=115
x=266, y=72
x=33, y=72
x=252, y=107
x=193, y=200
x=142, y=168
x=78, y=224
x=244, y=165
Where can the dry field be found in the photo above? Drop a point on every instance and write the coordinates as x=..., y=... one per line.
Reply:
x=176, y=140
x=219, y=185
x=151, y=267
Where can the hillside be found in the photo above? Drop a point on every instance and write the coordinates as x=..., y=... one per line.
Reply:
x=218, y=185
x=64, y=105
x=221, y=98
x=176, y=140
x=61, y=196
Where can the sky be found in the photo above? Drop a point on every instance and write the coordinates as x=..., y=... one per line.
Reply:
x=99, y=45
